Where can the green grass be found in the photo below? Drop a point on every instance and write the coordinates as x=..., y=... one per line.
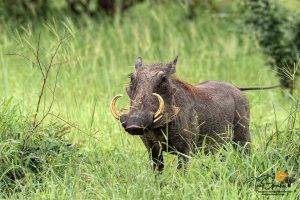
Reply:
x=99, y=56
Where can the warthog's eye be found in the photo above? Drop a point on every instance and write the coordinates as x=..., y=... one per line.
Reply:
x=164, y=78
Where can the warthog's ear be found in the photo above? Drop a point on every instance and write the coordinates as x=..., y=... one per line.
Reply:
x=138, y=63
x=172, y=65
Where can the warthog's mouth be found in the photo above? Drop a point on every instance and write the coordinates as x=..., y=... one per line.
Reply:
x=135, y=130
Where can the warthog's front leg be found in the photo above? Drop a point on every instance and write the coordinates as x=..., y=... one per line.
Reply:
x=157, y=159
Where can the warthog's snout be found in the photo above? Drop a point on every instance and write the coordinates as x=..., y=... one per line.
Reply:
x=136, y=123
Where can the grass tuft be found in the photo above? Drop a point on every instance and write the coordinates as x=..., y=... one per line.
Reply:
x=28, y=153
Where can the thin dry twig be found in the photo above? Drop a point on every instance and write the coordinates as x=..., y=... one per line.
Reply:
x=44, y=82
x=52, y=100
x=22, y=56
x=37, y=56
x=72, y=125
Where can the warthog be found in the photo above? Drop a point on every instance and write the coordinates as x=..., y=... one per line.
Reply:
x=174, y=116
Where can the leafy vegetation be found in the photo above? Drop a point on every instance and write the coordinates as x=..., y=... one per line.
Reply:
x=279, y=37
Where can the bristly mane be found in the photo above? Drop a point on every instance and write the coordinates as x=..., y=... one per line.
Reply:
x=185, y=85
x=195, y=91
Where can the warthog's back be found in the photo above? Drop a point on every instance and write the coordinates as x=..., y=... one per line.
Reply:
x=218, y=88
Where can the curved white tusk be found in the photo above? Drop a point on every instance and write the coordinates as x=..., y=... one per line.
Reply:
x=113, y=109
x=161, y=107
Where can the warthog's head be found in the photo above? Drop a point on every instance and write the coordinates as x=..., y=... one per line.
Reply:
x=149, y=93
